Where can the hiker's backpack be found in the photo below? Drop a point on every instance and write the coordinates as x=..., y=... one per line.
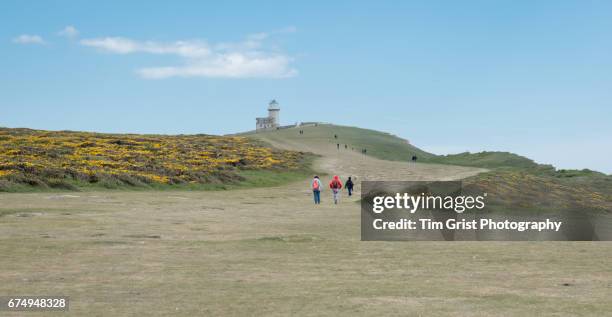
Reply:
x=315, y=184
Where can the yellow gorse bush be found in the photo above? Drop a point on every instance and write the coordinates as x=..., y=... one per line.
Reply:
x=146, y=158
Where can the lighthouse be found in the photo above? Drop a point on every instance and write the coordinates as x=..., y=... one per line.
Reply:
x=272, y=121
x=273, y=111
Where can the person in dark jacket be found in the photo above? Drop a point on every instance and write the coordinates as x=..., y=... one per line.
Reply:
x=349, y=186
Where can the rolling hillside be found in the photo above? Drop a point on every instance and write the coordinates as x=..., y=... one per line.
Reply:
x=378, y=144
x=515, y=181
x=384, y=146
x=44, y=160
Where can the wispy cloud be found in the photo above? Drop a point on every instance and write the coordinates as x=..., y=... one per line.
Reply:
x=246, y=59
x=121, y=45
x=29, y=39
x=233, y=65
x=69, y=31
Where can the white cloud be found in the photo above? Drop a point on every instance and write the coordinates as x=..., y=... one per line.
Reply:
x=246, y=59
x=120, y=45
x=29, y=39
x=69, y=31
x=232, y=65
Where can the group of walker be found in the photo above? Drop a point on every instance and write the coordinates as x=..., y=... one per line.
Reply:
x=335, y=185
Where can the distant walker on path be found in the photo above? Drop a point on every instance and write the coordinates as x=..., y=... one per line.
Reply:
x=349, y=186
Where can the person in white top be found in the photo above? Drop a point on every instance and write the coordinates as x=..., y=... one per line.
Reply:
x=316, y=190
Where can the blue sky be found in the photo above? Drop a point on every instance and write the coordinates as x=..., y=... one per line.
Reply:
x=530, y=77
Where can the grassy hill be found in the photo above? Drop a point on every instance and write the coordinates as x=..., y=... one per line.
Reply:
x=34, y=159
x=386, y=146
x=513, y=181
x=516, y=182
x=46, y=160
x=487, y=160
x=378, y=144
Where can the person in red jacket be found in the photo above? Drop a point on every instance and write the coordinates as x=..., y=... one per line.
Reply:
x=336, y=186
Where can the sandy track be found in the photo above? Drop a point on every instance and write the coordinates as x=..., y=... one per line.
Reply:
x=346, y=162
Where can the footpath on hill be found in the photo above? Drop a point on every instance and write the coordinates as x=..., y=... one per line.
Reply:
x=347, y=162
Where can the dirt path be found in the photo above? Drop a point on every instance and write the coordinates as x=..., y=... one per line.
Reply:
x=346, y=162
x=270, y=251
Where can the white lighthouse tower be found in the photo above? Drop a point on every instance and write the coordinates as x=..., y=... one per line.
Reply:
x=272, y=121
x=273, y=111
